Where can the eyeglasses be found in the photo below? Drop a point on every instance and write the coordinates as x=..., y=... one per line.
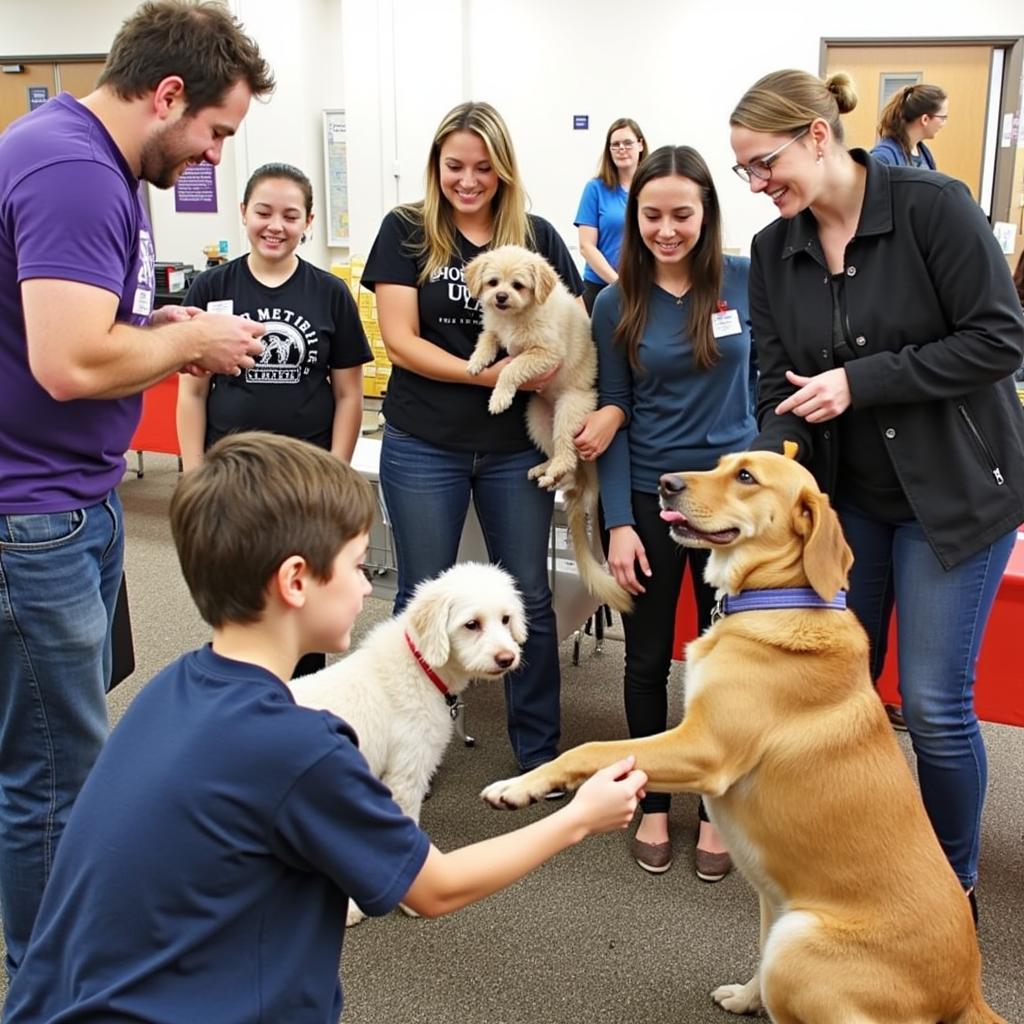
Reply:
x=762, y=168
x=622, y=145
x=939, y=117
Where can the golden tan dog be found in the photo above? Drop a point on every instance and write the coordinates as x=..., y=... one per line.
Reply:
x=530, y=314
x=862, y=918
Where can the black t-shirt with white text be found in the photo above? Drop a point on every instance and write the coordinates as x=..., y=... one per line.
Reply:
x=447, y=414
x=312, y=328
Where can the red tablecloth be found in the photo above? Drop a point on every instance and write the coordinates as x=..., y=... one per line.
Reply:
x=999, y=690
x=156, y=431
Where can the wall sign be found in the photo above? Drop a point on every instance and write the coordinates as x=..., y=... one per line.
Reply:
x=196, y=190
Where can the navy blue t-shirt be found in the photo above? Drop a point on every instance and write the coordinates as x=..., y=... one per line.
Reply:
x=208, y=862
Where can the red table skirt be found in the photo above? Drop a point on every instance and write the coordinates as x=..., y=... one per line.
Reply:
x=999, y=689
x=157, y=431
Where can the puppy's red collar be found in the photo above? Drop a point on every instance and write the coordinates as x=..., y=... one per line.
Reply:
x=450, y=699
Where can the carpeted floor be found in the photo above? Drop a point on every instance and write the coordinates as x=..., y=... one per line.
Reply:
x=588, y=937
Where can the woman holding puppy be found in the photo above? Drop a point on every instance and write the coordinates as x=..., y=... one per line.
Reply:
x=675, y=364
x=888, y=332
x=602, y=211
x=441, y=446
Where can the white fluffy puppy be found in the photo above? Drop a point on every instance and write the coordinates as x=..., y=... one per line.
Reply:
x=468, y=623
x=529, y=313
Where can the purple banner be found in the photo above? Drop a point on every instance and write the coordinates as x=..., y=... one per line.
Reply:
x=196, y=190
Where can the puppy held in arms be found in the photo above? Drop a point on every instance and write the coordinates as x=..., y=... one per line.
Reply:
x=862, y=919
x=530, y=314
x=399, y=690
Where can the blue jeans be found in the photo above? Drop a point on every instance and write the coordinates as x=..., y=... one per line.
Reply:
x=59, y=576
x=941, y=618
x=427, y=491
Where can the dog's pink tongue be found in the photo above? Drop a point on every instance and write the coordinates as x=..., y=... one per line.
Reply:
x=670, y=516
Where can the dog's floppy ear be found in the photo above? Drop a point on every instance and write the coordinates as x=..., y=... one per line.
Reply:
x=474, y=273
x=429, y=612
x=517, y=623
x=827, y=556
x=545, y=278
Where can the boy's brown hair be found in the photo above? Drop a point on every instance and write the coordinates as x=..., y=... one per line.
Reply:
x=202, y=42
x=257, y=499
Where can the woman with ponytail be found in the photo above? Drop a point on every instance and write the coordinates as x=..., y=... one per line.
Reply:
x=914, y=114
x=888, y=331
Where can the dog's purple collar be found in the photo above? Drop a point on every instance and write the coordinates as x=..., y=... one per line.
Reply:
x=787, y=597
x=450, y=699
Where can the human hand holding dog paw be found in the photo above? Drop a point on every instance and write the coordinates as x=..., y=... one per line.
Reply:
x=607, y=801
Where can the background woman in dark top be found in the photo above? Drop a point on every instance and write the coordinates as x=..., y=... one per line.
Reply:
x=441, y=447
x=887, y=332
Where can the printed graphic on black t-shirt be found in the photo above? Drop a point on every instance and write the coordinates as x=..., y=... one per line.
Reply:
x=446, y=414
x=312, y=327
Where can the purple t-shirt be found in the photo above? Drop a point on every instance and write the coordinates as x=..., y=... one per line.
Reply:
x=69, y=209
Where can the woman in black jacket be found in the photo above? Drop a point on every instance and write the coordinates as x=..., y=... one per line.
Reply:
x=888, y=330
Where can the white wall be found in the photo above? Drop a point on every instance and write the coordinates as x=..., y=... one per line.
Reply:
x=677, y=66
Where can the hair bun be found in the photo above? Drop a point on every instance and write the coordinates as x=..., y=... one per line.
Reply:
x=841, y=86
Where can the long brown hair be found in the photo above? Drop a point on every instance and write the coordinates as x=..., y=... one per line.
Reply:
x=606, y=169
x=433, y=213
x=636, y=263
x=905, y=107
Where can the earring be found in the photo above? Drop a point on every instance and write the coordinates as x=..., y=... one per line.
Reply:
x=303, y=238
x=820, y=157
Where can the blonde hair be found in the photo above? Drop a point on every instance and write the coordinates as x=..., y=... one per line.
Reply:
x=606, y=169
x=785, y=102
x=433, y=214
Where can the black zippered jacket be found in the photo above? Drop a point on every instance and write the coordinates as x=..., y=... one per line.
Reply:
x=937, y=333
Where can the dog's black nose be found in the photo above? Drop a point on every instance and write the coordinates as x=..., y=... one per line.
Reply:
x=671, y=483
x=505, y=660
x=501, y=297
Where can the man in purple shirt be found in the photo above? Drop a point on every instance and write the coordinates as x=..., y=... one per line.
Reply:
x=79, y=341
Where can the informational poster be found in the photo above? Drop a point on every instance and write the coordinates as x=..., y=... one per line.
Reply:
x=37, y=96
x=196, y=190
x=336, y=177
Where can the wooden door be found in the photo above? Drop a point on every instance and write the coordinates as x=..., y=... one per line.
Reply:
x=75, y=77
x=79, y=78
x=962, y=71
x=14, y=88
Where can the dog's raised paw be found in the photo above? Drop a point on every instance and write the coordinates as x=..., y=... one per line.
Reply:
x=739, y=998
x=475, y=366
x=507, y=795
x=500, y=401
x=539, y=470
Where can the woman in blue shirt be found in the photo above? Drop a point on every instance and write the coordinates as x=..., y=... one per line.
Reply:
x=603, y=206
x=676, y=365
x=914, y=114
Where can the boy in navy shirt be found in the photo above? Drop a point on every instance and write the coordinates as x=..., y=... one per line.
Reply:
x=207, y=866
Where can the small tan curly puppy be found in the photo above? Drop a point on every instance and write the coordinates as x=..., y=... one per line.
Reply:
x=529, y=313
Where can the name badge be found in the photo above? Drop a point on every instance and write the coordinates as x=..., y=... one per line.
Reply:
x=221, y=306
x=725, y=323
x=143, y=303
